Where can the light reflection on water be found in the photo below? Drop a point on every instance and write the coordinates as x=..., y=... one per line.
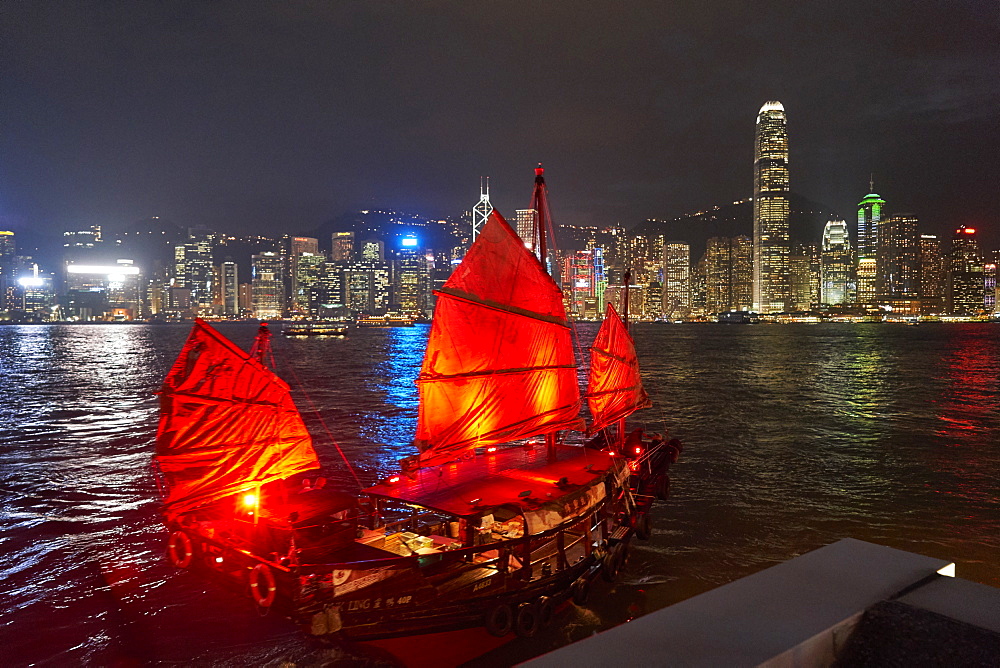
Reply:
x=796, y=436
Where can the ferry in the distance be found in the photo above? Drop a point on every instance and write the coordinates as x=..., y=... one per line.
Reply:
x=387, y=320
x=315, y=329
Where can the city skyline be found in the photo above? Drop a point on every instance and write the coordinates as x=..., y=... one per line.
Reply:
x=259, y=118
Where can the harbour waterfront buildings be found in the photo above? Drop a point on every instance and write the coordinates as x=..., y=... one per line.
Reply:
x=771, y=210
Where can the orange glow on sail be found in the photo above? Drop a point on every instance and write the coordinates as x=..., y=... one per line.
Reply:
x=614, y=390
x=227, y=423
x=499, y=364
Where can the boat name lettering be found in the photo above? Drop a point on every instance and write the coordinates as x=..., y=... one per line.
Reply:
x=375, y=604
x=482, y=585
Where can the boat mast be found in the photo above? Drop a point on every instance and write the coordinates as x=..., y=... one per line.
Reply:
x=625, y=300
x=540, y=204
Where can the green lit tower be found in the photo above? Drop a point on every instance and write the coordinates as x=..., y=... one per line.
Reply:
x=770, y=210
x=869, y=215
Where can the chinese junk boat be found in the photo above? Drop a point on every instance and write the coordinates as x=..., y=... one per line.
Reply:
x=481, y=527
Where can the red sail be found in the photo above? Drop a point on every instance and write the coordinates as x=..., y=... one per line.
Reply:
x=227, y=424
x=615, y=388
x=499, y=364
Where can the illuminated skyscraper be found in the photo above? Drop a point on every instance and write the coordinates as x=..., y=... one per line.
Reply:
x=966, y=287
x=482, y=210
x=931, y=274
x=676, y=279
x=869, y=215
x=526, y=227
x=230, y=289
x=728, y=277
x=803, y=277
x=268, y=288
x=770, y=210
x=343, y=246
x=897, y=256
x=296, y=248
x=836, y=265
x=193, y=269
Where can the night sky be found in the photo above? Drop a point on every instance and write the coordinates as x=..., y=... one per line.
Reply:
x=273, y=117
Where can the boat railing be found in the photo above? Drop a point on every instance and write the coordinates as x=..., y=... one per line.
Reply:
x=516, y=546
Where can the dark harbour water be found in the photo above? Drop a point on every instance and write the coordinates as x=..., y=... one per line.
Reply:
x=796, y=436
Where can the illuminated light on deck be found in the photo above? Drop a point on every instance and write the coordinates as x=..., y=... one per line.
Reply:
x=249, y=500
x=947, y=571
x=394, y=479
x=492, y=448
x=218, y=560
x=638, y=450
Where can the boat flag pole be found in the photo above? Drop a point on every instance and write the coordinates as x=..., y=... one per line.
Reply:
x=625, y=300
x=539, y=202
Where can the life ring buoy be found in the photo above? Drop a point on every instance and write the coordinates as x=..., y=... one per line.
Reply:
x=545, y=609
x=500, y=620
x=180, y=551
x=340, y=576
x=581, y=591
x=644, y=526
x=262, y=585
x=527, y=622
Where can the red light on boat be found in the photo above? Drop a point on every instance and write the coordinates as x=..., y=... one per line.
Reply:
x=250, y=500
x=394, y=479
x=633, y=465
x=638, y=450
x=491, y=449
x=612, y=453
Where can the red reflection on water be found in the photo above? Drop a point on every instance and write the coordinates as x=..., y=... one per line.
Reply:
x=970, y=399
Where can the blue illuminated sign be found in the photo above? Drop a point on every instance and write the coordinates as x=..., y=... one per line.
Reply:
x=408, y=242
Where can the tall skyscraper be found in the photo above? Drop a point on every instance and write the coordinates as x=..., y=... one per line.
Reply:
x=869, y=215
x=482, y=210
x=676, y=279
x=343, y=246
x=526, y=227
x=837, y=284
x=770, y=210
x=931, y=274
x=803, y=277
x=268, y=288
x=296, y=248
x=897, y=263
x=193, y=269
x=966, y=287
x=230, y=289
x=728, y=276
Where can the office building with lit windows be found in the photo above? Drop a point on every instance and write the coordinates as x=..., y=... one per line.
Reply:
x=677, y=279
x=837, y=282
x=869, y=215
x=268, y=290
x=770, y=210
x=931, y=275
x=897, y=263
x=966, y=286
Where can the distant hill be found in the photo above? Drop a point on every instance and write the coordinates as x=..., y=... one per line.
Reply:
x=806, y=223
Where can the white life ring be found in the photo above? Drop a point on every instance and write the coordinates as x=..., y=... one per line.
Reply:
x=180, y=552
x=262, y=585
x=341, y=576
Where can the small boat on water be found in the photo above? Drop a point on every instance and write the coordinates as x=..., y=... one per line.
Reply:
x=484, y=526
x=314, y=329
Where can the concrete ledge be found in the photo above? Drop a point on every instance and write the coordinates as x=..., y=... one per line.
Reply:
x=793, y=614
